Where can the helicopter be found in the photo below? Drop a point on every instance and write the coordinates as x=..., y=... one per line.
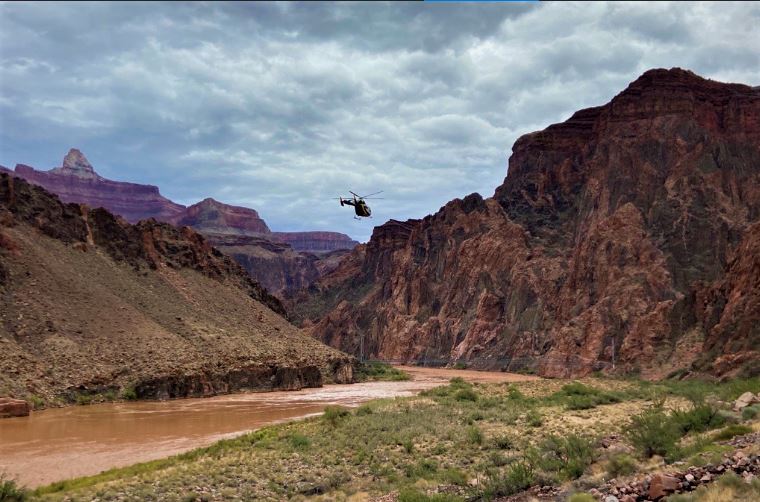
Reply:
x=360, y=207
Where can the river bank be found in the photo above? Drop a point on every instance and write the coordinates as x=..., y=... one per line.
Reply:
x=546, y=439
x=57, y=444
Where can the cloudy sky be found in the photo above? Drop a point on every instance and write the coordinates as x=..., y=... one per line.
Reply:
x=283, y=107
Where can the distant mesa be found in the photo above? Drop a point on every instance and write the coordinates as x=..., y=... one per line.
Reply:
x=76, y=181
x=212, y=216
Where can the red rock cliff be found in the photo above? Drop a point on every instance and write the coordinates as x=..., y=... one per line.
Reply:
x=211, y=216
x=616, y=238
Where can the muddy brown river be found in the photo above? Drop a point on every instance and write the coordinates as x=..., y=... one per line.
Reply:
x=56, y=444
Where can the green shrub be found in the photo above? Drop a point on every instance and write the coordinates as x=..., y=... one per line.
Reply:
x=299, y=441
x=424, y=468
x=577, y=389
x=474, y=435
x=518, y=477
x=498, y=459
x=376, y=370
x=580, y=402
x=408, y=445
x=129, y=393
x=364, y=410
x=37, y=402
x=10, y=492
x=514, y=394
x=652, y=432
x=453, y=476
x=567, y=455
x=503, y=442
x=83, y=399
x=577, y=396
x=751, y=412
x=699, y=418
x=621, y=465
x=466, y=395
x=534, y=418
x=731, y=431
x=333, y=414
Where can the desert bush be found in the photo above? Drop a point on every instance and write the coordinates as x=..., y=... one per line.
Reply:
x=364, y=410
x=731, y=431
x=577, y=396
x=466, y=395
x=518, y=477
x=751, y=412
x=334, y=414
x=567, y=455
x=621, y=464
x=299, y=441
x=128, y=393
x=534, y=418
x=453, y=476
x=503, y=442
x=474, y=435
x=652, y=432
x=498, y=459
x=37, y=401
x=83, y=399
x=701, y=417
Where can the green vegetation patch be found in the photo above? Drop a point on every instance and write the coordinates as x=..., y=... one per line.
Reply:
x=379, y=371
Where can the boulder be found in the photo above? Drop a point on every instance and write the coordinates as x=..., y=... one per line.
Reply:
x=745, y=400
x=661, y=485
x=10, y=407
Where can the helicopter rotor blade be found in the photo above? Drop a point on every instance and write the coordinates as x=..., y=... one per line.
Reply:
x=355, y=194
x=370, y=195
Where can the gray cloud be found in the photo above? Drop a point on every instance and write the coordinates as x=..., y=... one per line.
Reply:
x=285, y=106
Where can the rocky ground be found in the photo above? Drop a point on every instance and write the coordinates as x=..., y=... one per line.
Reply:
x=537, y=440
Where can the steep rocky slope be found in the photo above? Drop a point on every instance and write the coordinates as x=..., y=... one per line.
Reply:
x=90, y=304
x=624, y=238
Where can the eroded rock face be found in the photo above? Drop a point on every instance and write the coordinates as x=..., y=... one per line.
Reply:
x=624, y=235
